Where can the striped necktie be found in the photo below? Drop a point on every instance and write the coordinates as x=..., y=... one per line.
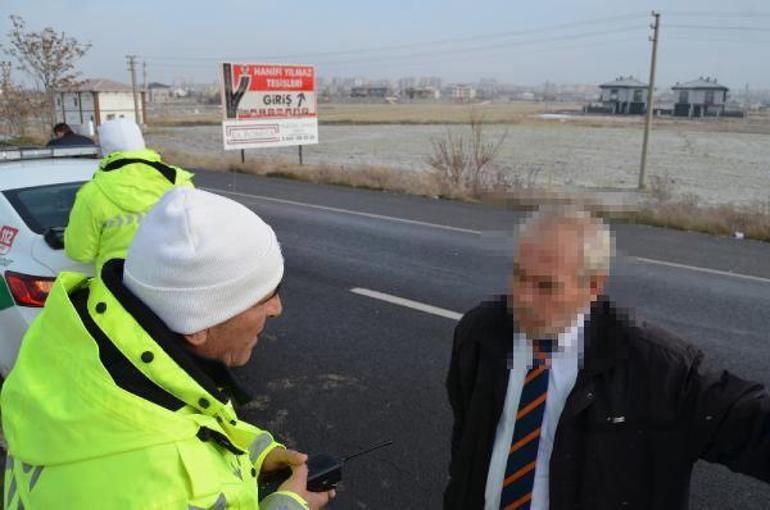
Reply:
x=522, y=456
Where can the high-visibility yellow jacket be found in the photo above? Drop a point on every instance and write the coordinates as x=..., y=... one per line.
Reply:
x=103, y=409
x=108, y=209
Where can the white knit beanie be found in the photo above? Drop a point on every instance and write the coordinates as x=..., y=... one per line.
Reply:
x=120, y=135
x=199, y=259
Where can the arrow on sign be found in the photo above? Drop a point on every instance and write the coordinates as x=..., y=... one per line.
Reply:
x=301, y=98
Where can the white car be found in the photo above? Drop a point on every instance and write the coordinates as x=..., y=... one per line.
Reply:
x=37, y=190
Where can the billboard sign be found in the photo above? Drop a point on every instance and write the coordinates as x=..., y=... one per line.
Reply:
x=268, y=105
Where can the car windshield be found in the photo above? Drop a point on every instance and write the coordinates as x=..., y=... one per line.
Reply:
x=42, y=207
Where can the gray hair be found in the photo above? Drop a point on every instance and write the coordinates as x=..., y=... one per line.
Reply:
x=594, y=235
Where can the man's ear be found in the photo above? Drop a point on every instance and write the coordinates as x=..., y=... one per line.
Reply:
x=197, y=339
x=597, y=284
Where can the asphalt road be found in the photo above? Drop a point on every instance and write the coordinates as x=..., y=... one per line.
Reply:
x=340, y=370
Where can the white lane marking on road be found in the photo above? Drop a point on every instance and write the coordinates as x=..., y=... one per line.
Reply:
x=346, y=211
x=468, y=231
x=704, y=270
x=408, y=303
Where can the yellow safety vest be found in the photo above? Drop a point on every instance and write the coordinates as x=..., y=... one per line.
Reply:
x=78, y=440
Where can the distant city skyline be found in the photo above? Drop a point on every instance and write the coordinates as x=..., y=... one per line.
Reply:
x=559, y=41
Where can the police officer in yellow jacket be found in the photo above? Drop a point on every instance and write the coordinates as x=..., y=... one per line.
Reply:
x=108, y=209
x=121, y=397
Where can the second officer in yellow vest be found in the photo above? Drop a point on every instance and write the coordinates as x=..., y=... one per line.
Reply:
x=109, y=208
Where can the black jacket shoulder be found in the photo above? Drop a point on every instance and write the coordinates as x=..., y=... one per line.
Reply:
x=656, y=345
x=483, y=325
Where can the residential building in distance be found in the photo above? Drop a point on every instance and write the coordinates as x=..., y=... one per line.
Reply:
x=421, y=93
x=88, y=104
x=463, y=93
x=158, y=93
x=703, y=97
x=624, y=96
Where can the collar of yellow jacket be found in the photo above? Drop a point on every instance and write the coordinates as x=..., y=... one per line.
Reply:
x=145, y=154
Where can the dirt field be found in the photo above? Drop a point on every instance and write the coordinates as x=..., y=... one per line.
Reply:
x=717, y=167
x=510, y=113
x=357, y=113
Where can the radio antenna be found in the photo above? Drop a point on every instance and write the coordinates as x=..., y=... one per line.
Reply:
x=369, y=449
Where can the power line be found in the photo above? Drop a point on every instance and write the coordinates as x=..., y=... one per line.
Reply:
x=442, y=58
x=327, y=68
x=495, y=54
x=720, y=27
x=718, y=14
x=440, y=42
x=498, y=46
x=453, y=51
x=713, y=40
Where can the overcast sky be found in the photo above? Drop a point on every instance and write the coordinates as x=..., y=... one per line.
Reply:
x=564, y=41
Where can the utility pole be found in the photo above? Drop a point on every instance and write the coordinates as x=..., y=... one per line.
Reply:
x=747, y=102
x=650, y=97
x=132, y=68
x=144, y=78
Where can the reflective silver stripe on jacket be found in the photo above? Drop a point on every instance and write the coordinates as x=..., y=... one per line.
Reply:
x=259, y=445
x=219, y=504
x=280, y=502
x=123, y=219
x=12, y=487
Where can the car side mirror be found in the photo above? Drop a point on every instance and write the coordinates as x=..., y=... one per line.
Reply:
x=54, y=237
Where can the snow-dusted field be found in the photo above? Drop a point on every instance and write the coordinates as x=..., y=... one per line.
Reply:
x=718, y=167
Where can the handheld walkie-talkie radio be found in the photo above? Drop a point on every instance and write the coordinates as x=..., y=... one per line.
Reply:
x=324, y=472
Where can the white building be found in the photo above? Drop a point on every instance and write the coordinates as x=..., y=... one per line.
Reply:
x=700, y=98
x=86, y=106
x=463, y=93
x=180, y=92
x=430, y=82
x=625, y=95
x=158, y=93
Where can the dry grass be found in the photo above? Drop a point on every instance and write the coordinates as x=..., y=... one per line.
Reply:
x=24, y=140
x=36, y=132
x=371, y=178
x=684, y=213
x=189, y=121
x=666, y=208
x=413, y=113
x=662, y=209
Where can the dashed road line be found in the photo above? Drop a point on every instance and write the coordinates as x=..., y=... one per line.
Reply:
x=407, y=303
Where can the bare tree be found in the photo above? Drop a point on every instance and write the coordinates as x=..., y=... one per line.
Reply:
x=47, y=56
x=463, y=161
x=483, y=152
x=16, y=104
x=449, y=159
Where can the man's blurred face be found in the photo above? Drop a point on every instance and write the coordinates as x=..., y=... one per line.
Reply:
x=547, y=288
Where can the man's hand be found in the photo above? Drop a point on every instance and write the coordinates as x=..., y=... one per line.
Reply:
x=280, y=458
x=298, y=485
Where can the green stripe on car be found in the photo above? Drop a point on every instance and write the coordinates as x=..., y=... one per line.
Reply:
x=6, y=300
